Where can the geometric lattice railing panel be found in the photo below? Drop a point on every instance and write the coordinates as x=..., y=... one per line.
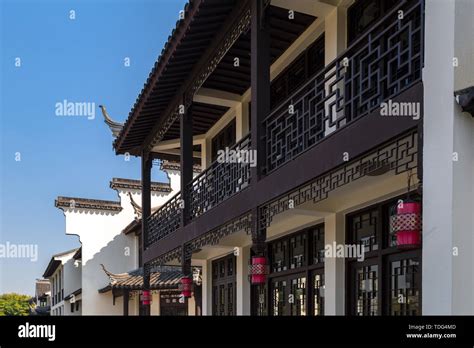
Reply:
x=399, y=156
x=213, y=186
x=220, y=181
x=378, y=66
x=165, y=220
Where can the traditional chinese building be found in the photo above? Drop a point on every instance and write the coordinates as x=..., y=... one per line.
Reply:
x=356, y=116
x=111, y=242
x=65, y=279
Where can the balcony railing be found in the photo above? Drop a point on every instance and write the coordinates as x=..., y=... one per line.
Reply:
x=221, y=180
x=165, y=220
x=378, y=66
x=217, y=183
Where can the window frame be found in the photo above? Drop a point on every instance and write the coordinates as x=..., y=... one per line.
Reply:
x=381, y=257
x=308, y=270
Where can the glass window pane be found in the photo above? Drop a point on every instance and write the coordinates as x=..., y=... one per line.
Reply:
x=297, y=297
x=367, y=290
x=318, y=245
x=279, y=256
x=297, y=251
x=318, y=293
x=364, y=230
x=278, y=298
x=404, y=287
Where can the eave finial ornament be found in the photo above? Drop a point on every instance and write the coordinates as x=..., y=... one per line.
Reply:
x=115, y=127
x=137, y=209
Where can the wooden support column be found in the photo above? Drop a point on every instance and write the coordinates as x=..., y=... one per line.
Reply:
x=260, y=80
x=186, y=141
x=146, y=211
x=186, y=262
x=186, y=266
x=259, y=247
x=259, y=234
x=125, y=302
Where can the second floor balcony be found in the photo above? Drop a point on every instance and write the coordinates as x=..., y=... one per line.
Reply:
x=319, y=99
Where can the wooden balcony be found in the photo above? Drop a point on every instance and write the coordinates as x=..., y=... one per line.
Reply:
x=338, y=108
x=220, y=181
x=377, y=67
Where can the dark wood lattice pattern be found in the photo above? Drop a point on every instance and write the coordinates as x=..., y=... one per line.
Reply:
x=400, y=156
x=405, y=287
x=378, y=66
x=165, y=220
x=220, y=181
x=318, y=244
x=318, y=294
x=367, y=290
x=240, y=26
x=172, y=255
x=364, y=230
x=224, y=286
x=213, y=237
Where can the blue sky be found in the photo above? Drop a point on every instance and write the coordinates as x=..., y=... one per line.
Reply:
x=80, y=60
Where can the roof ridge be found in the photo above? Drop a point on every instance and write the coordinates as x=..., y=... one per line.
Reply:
x=87, y=203
x=135, y=184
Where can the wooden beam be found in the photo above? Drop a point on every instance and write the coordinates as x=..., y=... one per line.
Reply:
x=311, y=7
x=174, y=143
x=217, y=97
x=147, y=163
x=173, y=44
x=125, y=302
x=200, y=68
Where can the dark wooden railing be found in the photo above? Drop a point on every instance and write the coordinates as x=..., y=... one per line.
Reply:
x=213, y=186
x=378, y=66
x=375, y=68
x=220, y=181
x=165, y=220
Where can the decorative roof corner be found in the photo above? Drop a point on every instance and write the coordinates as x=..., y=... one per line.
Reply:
x=115, y=127
x=137, y=208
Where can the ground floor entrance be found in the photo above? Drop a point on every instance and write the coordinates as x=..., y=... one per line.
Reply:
x=224, y=286
x=385, y=281
x=170, y=304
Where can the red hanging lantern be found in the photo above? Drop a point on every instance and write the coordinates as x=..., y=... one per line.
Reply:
x=407, y=225
x=146, y=297
x=186, y=287
x=258, y=270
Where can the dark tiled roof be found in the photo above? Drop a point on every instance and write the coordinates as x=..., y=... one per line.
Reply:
x=168, y=165
x=74, y=293
x=86, y=203
x=185, y=46
x=167, y=278
x=133, y=227
x=53, y=263
x=185, y=56
x=78, y=254
x=132, y=184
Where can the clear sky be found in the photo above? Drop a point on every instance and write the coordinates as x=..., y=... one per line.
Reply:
x=78, y=60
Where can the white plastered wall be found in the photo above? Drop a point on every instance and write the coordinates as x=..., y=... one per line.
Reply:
x=100, y=233
x=448, y=200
